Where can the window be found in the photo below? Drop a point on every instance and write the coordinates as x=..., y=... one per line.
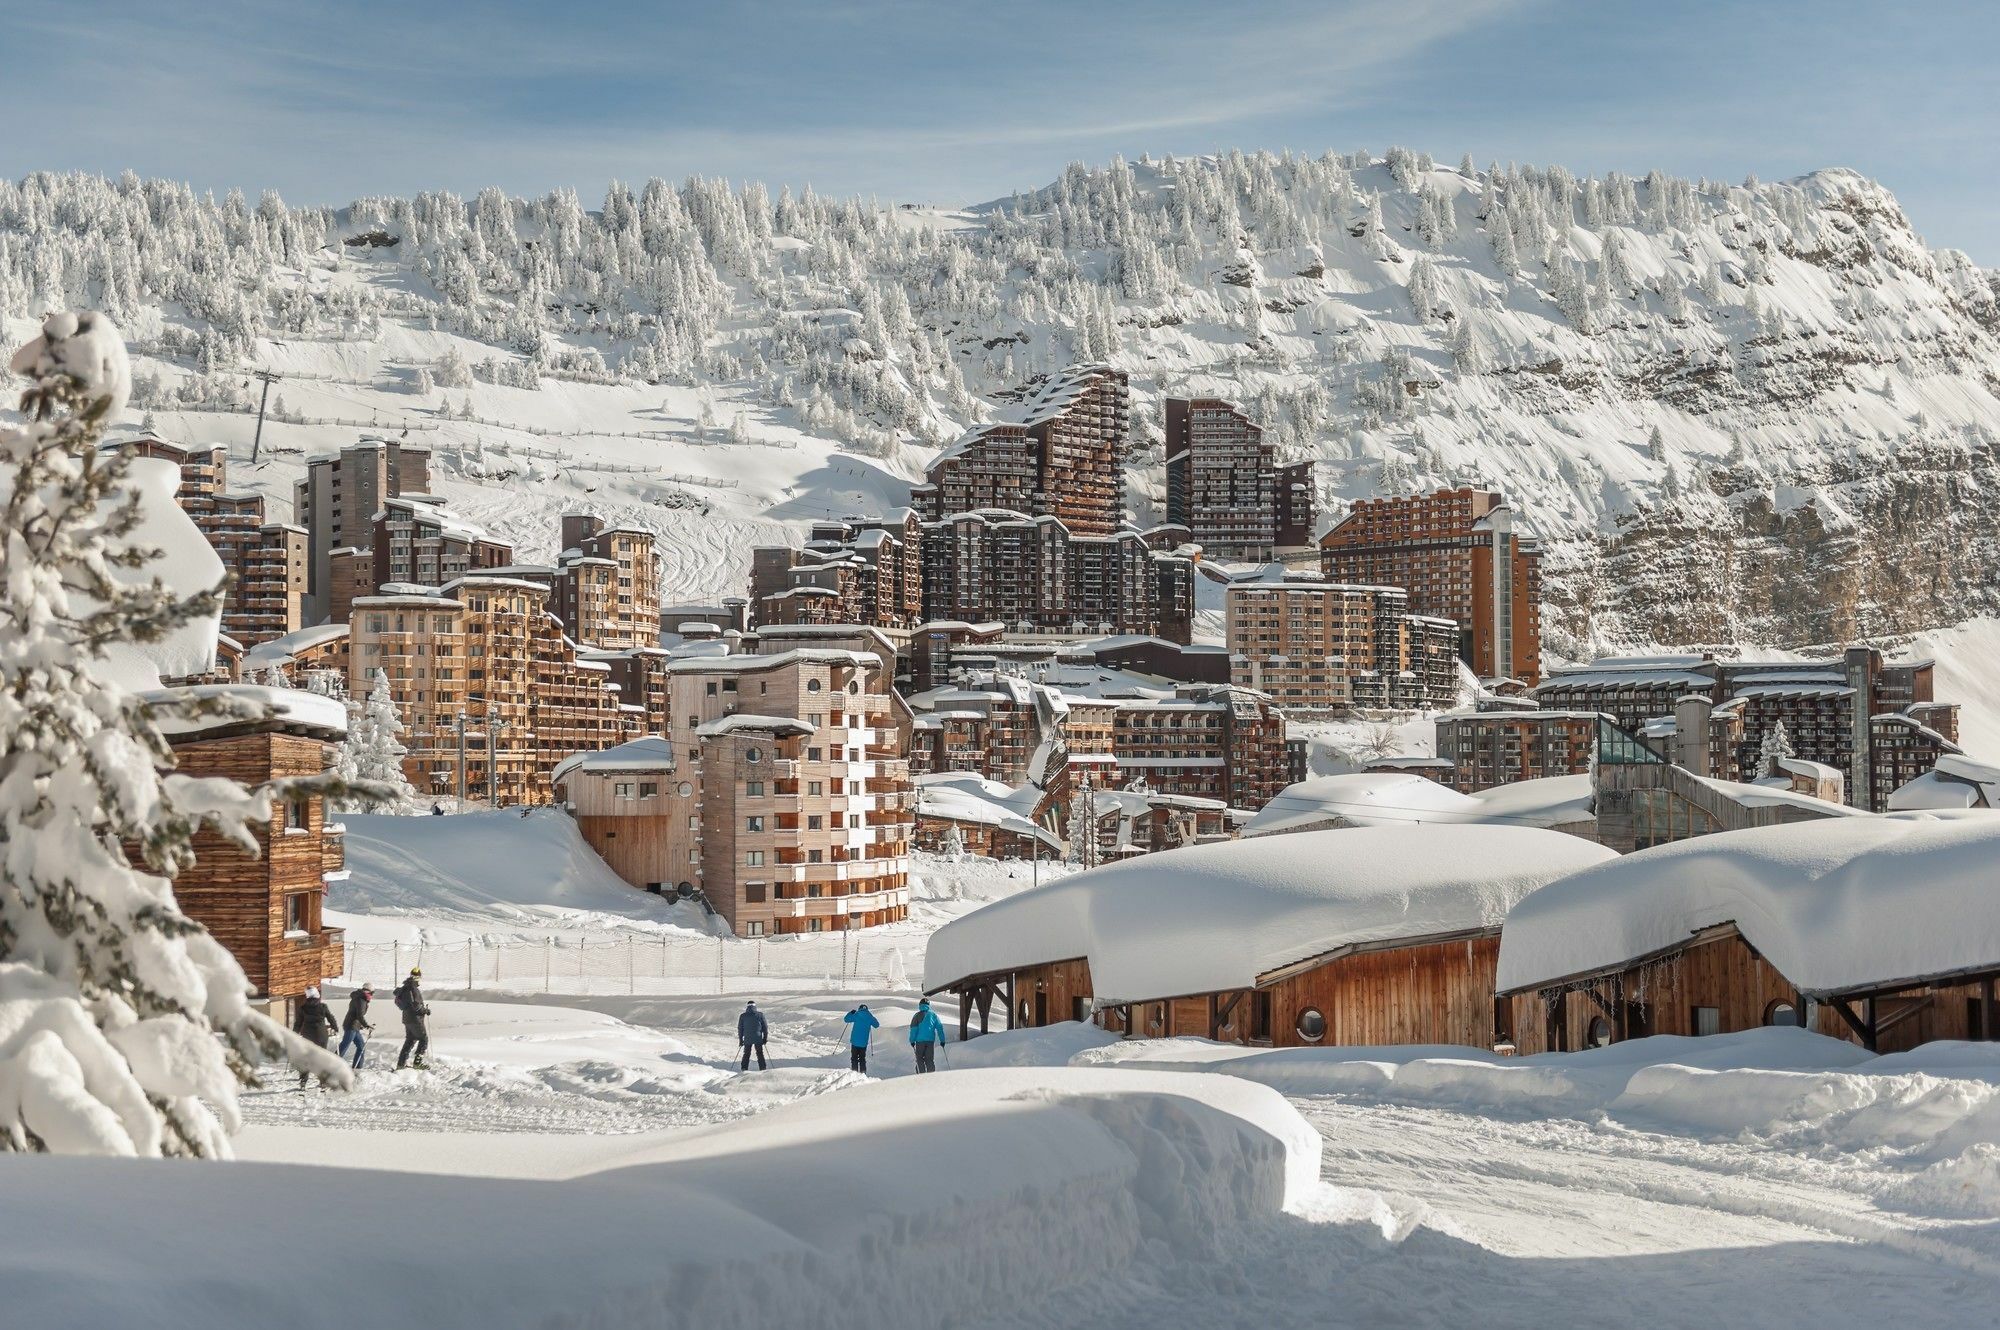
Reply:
x=755, y=822
x=711, y=688
x=812, y=754
x=1706, y=1020
x=297, y=919
x=1781, y=1012
x=812, y=685
x=815, y=787
x=1311, y=1025
x=752, y=789
x=815, y=925
x=685, y=790
x=298, y=812
x=649, y=789
x=1026, y=1013
x=814, y=821
x=753, y=859
x=1598, y=1033
x=755, y=928
x=813, y=856
x=853, y=687
x=753, y=755
x=753, y=893
x=622, y=790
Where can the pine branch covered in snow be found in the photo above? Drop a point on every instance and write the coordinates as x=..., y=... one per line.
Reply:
x=124, y=1027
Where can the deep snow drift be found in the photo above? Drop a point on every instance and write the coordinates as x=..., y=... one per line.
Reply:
x=910, y=1204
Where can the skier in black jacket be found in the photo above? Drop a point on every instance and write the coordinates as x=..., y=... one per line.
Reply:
x=356, y=1027
x=416, y=1034
x=313, y=1022
x=751, y=1032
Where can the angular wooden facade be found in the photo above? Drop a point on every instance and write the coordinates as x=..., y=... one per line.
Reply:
x=1429, y=990
x=267, y=908
x=1717, y=983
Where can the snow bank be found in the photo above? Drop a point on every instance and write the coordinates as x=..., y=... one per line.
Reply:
x=1930, y=1116
x=1217, y=916
x=1833, y=905
x=496, y=868
x=1396, y=798
x=916, y=1203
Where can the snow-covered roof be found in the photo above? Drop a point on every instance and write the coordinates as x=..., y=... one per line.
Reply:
x=1957, y=781
x=724, y=664
x=1217, y=917
x=280, y=706
x=760, y=724
x=284, y=650
x=649, y=752
x=963, y=796
x=1771, y=796
x=1836, y=906
x=187, y=565
x=1391, y=798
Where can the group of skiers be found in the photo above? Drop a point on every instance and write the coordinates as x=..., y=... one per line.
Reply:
x=314, y=1021
x=926, y=1035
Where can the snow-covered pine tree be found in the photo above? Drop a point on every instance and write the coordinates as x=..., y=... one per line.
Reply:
x=124, y=1027
x=1777, y=745
x=374, y=750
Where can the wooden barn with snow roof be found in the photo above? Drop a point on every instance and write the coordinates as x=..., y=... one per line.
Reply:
x=1377, y=935
x=1883, y=930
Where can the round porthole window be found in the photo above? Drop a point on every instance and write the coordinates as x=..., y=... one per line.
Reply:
x=684, y=789
x=1311, y=1025
x=1599, y=1033
x=1781, y=1013
x=753, y=755
x=853, y=685
x=812, y=685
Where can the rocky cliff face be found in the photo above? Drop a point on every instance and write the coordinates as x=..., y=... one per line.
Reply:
x=1757, y=412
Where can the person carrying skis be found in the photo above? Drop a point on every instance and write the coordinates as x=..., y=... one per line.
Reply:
x=751, y=1032
x=861, y=1027
x=926, y=1033
x=313, y=1022
x=352, y=1029
x=416, y=1012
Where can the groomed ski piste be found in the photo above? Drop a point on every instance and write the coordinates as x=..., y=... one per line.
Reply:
x=596, y=1158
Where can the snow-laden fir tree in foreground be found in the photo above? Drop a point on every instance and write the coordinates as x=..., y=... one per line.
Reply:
x=124, y=1027
x=1777, y=746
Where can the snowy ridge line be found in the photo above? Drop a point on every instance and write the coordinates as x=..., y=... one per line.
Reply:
x=812, y=1214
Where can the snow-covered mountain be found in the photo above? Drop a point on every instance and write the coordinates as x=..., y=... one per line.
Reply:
x=1757, y=412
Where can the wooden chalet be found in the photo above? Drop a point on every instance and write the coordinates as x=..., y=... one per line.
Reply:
x=1382, y=935
x=1878, y=930
x=267, y=908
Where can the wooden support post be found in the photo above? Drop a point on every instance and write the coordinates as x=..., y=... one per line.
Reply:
x=1863, y=1030
x=964, y=1012
x=1219, y=1011
x=985, y=1007
x=1989, y=1014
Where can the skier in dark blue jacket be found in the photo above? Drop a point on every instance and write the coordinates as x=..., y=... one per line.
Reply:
x=751, y=1032
x=926, y=1033
x=861, y=1027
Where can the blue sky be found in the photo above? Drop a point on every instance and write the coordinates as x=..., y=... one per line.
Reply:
x=957, y=102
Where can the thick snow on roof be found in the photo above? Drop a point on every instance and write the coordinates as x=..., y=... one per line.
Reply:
x=290, y=706
x=188, y=565
x=1834, y=906
x=759, y=724
x=964, y=796
x=647, y=753
x=1395, y=798
x=284, y=650
x=1957, y=781
x=1217, y=916
x=1765, y=796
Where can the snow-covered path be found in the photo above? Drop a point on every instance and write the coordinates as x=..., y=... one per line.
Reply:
x=1434, y=1217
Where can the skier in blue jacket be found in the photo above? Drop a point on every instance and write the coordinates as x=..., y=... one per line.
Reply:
x=861, y=1027
x=926, y=1033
